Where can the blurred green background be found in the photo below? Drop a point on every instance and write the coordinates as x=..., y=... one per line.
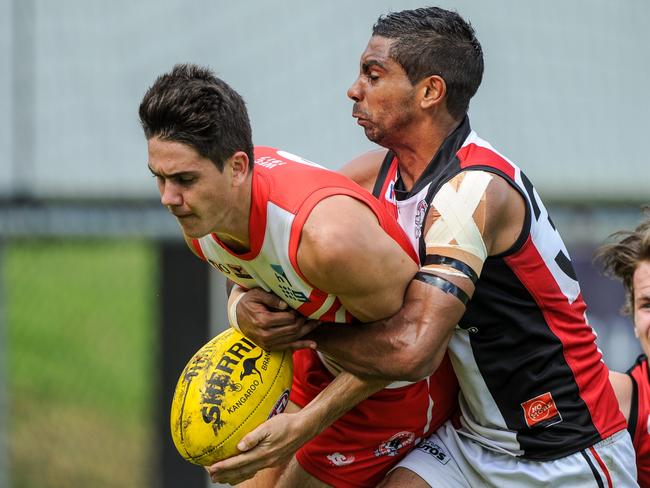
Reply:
x=82, y=348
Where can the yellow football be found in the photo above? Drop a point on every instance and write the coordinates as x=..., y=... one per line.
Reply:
x=229, y=387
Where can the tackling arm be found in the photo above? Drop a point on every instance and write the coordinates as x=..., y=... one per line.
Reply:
x=412, y=342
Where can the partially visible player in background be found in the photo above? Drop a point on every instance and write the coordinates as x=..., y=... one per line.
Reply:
x=628, y=259
x=266, y=218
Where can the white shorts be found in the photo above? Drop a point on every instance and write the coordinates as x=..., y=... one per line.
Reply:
x=449, y=460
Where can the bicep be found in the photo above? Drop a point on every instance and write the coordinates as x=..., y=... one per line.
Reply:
x=474, y=215
x=351, y=256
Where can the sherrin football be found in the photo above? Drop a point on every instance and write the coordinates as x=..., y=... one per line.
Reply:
x=229, y=387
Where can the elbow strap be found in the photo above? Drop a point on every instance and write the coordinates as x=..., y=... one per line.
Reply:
x=443, y=284
x=452, y=263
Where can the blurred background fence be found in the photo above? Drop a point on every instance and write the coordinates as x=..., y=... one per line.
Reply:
x=100, y=304
x=81, y=361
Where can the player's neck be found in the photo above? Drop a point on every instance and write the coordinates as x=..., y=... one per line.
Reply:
x=416, y=151
x=235, y=232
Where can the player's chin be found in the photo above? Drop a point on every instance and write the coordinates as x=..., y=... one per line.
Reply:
x=373, y=135
x=191, y=231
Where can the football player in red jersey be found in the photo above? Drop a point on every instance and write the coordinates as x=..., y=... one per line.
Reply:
x=267, y=218
x=628, y=259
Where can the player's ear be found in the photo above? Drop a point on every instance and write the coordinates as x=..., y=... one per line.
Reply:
x=432, y=90
x=237, y=164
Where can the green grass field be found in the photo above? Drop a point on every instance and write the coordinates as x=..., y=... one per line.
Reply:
x=82, y=345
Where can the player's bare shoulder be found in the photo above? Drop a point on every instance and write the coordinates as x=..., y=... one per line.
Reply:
x=364, y=169
x=336, y=229
x=346, y=252
x=475, y=214
x=505, y=215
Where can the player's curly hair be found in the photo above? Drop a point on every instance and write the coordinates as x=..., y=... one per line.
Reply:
x=433, y=41
x=192, y=106
x=621, y=258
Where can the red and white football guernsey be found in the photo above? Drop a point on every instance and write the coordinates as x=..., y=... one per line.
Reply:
x=639, y=422
x=532, y=379
x=285, y=189
x=363, y=444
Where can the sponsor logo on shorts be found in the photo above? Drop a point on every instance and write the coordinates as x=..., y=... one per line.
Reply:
x=338, y=459
x=541, y=411
x=434, y=450
x=392, y=446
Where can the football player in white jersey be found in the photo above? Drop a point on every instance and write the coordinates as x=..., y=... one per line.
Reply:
x=496, y=283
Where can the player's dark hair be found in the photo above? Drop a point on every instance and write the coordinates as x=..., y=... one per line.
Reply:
x=192, y=106
x=621, y=258
x=433, y=41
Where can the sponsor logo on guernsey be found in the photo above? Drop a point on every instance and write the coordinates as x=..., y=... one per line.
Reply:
x=338, y=459
x=285, y=285
x=280, y=405
x=231, y=269
x=392, y=446
x=390, y=193
x=420, y=212
x=434, y=450
x=469, y=328
x=269, y=162
x=541, y=411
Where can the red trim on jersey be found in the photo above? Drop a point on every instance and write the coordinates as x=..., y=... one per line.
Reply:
x=641, y=437
x=197, y=247
x=316, y=300
x=474, y=155
x=390, y=225
x=330, y=315
x=602, y=466
x=391, y=178
x=566, y=320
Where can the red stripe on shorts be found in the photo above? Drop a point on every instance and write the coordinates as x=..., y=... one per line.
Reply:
x=602, y=466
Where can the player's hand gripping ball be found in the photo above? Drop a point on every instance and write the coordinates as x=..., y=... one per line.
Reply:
x=229, y=387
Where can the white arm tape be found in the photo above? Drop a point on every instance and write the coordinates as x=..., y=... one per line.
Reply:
x=236, y=294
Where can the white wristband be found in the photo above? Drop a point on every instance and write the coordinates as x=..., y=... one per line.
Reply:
x=236, y=294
